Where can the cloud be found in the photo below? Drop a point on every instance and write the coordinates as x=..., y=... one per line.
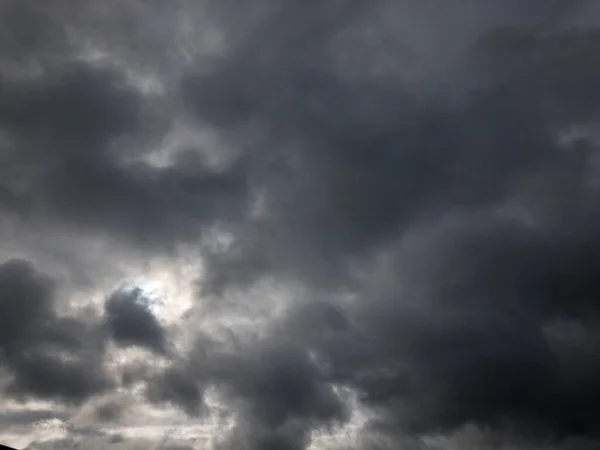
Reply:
x=465, y=339
x=392, y=207
x=352, y=162
x=112, y=442
x=281, y=397
x=62, y=161
x=178, y=388
x=130, y=322
x=46, y=355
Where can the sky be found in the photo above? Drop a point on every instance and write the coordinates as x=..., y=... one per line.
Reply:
x=300, y=225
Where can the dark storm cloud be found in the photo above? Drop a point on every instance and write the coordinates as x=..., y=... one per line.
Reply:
x=470, y=338
x=46, y=355
x=350, y=163
x=276, y=392
x=411, y=153
x=351, y=166
x=282, y=396
x=130, y=322
x=62, y=162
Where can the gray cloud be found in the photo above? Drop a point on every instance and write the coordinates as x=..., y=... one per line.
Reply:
x=177, y=387
x=282, y=396
x=351, y=163
x=46, y=355
x=130, y=322
x=61, y=161
x=113, y=442
x=426, y=173
x=371, y=160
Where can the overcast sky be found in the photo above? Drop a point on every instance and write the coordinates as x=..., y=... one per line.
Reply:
x=300, y=225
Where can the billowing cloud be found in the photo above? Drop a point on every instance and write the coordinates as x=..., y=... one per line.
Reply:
x=389, y=209
x=130, y=322
x=62, y=161
x=46, y=355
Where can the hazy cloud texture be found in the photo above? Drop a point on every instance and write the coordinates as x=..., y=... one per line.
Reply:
x=285, y=225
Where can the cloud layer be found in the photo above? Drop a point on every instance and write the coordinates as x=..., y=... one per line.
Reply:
x=300, y=225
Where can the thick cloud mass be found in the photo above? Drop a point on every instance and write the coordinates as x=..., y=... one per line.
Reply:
x=46, y=355
x=347, y=224
x=131, y=323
